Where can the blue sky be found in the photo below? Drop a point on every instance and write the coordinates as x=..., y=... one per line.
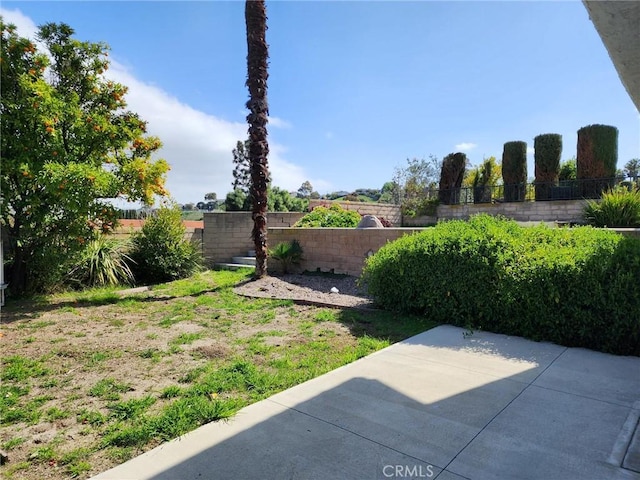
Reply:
x=355, y=88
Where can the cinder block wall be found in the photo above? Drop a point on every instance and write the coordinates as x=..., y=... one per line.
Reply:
x=387, y=211
x=228, y=234
x=559, y=210
x=342, y=250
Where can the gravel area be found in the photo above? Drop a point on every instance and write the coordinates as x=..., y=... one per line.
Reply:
x=312, y=289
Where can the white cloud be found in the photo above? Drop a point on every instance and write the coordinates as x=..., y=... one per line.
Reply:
x=465, y=146
x=277, y=122
x=26, y=27
x=196, y=145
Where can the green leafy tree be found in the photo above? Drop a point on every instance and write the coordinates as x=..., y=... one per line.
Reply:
x=236, y=201
x=305, y=190
x=67, y=144
x=416, y=180
x=568, y=170
x=281, y=200
x=389, y=192
x=211, y=196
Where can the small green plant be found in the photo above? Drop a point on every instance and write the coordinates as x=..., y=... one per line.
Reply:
x=332, y=217
x=160, y=251
x=619, y=207
x=108, y=389
x=288, y=254
x=103, y=262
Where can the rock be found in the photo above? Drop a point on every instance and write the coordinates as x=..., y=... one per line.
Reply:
x=370, y=221
x=4, y=457
x=334, y=290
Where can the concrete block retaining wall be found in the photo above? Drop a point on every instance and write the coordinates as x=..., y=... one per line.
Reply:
x=555, y=211
x=341, y=250
x=228, y=234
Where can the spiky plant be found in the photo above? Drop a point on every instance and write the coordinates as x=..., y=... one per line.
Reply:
x=619, y=207
x=255, y=14
x=103, y=262
x=288, y=254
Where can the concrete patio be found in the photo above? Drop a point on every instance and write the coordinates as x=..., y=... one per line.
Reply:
x=438, y=405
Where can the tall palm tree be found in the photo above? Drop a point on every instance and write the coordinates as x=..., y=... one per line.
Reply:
x=255, y=15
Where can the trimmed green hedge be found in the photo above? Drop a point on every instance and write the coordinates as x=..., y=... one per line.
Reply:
x=574, y=287
x=548, y=149
x=514, y=171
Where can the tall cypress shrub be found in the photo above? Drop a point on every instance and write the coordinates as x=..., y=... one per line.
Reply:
x=597, y=157
x=548, y=147
x=451, y=176
x=514, y=171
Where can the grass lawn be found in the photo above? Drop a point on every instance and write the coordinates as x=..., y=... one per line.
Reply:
x=90, y=379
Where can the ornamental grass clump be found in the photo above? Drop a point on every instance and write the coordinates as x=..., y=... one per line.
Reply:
x=574, y=287
x=619, y=207
x=103, y=262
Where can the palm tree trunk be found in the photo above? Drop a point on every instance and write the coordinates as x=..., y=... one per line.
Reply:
x=255, y=14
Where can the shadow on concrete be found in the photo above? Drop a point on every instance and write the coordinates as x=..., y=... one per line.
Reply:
x=403, y=414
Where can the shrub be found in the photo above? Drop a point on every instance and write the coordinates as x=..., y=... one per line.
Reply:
x=619, y=207
x=287, y=253
x=417, y=207
x=103, y=262
x=597, y=157
x=332, y=217
x=514, y=170
x=160, y=251
x=575, y=287
x=548, y=150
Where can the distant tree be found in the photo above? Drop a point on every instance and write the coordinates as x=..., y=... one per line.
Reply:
x=211, y=196
x=632, y=168
x=305, y=190
x=241, y=168
x=201, y=205
x=211, y=205
x=236, y=201
x=416, y=179
x=67, y=144
x=568, y=170
x=388, y=192
x=314, y=196
x=188, y=207
x=282, y=201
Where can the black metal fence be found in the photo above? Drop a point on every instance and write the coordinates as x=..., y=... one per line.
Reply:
x=528, y=192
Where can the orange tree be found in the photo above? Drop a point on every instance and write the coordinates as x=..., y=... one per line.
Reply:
x=68, y=145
